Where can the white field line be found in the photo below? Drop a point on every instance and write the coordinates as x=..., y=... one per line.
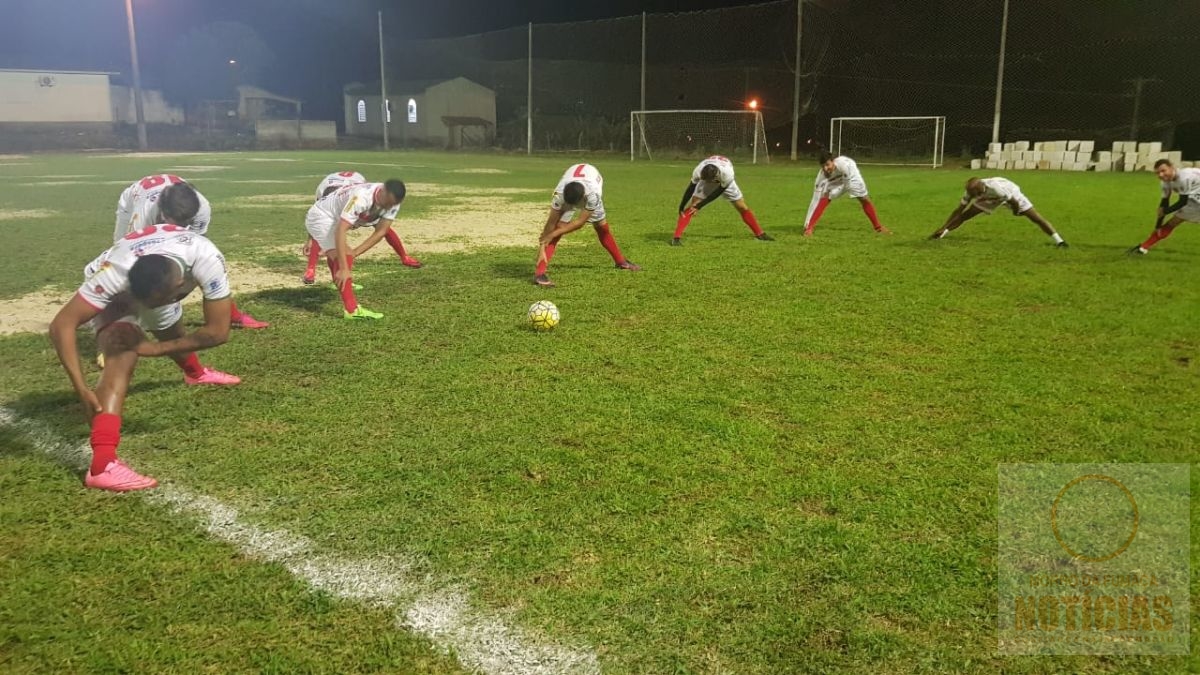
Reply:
x=483, y=642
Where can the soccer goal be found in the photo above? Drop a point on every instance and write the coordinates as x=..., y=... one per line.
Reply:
x=911, y=141
x=684, y=134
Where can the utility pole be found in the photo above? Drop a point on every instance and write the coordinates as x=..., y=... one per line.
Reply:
x=1139, y=84
x=1000, y=74
x=529, y=96
x=796, y=83
x=383, y=84
x=137, y=77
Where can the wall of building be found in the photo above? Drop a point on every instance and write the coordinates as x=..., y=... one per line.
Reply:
x=399, y=131
x=459, y=97
x=290, y=133
x=155, y=108
x=31, y=96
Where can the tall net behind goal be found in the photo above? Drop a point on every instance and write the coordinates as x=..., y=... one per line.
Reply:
x=696, y=134
x=915, y=141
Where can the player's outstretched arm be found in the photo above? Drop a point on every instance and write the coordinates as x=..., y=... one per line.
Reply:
x=381, y=229
x=580, y=218
x=213, y=333
x=687, y=196
x=342, y=251
x=715, y=193
x=62, y=334
x=952, y=222
x=551, y=220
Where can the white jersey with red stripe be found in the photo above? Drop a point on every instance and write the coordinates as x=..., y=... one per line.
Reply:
x=1187, y=182
x=338, y=180
x=724, y=170
x=139, y=207
x=203, y=266
x=593, y=188
x=356, y=205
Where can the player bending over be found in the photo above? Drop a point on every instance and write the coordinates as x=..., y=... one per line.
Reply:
x=984, y=195
x=331, y=183
x=156, y=199
x=133, y=287
x=347, y=208
x=578, y=199
x=712, y=178
x=839, y=175
x=1186, y=183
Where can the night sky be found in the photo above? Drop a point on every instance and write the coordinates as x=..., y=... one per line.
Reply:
x=318, y=45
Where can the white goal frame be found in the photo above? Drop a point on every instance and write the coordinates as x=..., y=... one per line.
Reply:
x=637, y=131
x=939, y=138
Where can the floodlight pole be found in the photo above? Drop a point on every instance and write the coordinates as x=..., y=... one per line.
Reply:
x=529, y=96
x=643, y=106
x=1000, y=74
x=137, y=77
x=796, y=83
x=383, y=84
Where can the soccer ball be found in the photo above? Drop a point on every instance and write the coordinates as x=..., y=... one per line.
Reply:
x=543, y=315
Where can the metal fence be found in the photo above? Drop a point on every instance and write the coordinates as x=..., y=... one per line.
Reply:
x=1072, y=68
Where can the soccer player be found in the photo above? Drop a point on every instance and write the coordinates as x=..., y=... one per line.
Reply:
x=346, y=208
x=985, y=195
x=332, y=182
x=712, y=178
x=154, y=200
x=1186, y=183
x=133, y=287
x=578, y=199
x=838, y=175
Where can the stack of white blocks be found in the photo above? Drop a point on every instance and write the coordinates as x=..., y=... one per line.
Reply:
x=1076, y=156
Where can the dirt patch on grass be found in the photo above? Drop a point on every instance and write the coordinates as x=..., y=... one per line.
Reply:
x=32, y=312
x=147, y=155
x=199, y=168
x=15, y=214
x=486, y=171
x=272, y=201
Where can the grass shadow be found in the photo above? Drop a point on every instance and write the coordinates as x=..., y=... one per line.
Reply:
x=308, y=299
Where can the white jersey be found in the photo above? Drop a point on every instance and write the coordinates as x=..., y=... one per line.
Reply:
x=845, y=178
x=1186, y=183
x=107, y=277
x=593, y=188
x=341, y=179
x=356, y=205
x=996, y=192
x=138, y=206
x=724, y=170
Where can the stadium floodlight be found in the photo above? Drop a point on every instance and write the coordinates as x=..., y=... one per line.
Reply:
x=695, y=134
x=909, y=141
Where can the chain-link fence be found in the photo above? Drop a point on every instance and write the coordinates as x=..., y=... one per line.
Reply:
x=1073, y=69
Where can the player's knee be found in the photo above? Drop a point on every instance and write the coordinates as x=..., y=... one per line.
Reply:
x=118, y=338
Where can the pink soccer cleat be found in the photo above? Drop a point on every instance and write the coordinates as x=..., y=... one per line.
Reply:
x=409, y=261
x=248, y=322
x=117, y=477
x=213, y=376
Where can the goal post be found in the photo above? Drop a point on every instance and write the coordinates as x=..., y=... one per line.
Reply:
x=696, y=134
x=897, y=141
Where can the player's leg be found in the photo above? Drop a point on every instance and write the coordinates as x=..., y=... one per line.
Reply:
x=1032, y=214
x=869, y=209
x=1157, y=235
x=351, y=310
x=604, y=234
x=957, y=218
x=393, y=240
x=820, y=201
x=686, y=216
x=118, y=342
x=733, y=194
x=311, y=250
x=193, y=371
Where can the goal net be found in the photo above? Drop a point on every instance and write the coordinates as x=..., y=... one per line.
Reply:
x=696, y=134
x=915, y=141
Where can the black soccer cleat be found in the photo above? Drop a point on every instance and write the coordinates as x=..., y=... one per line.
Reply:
x=1136, y=250
x=626, y=265
x=1062, y=244
x=764, y=237
x=676, y=242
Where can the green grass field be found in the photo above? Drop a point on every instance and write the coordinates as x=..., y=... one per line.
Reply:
x=751, y=457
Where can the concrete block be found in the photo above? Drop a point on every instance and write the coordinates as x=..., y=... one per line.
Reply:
x=1087, y=146
x=1056, y=166
x=1037, y=146
x=1072, y=146
x=1009, y=147
x=1175, y=156
x=1055, y=156
x=1079, y=166
x=1023, y=146
x=1128, y=168
x=1149, y=148
x=1043, y=165
x=1104, y=156
x=1069, y=157
x=995, y=147
x=1104, y=166
x=992, y=164
x=1038, y=155
x=1006, y=156
x=976, y=164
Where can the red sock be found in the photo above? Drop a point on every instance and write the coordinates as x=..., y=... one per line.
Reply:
x=869, y=209
x=314, y=251
x=106, y=435
x=1158, y=235
x=347, y=291
x=751, y=222
x=393, y=240
x=816, y=215
x=682, y=223
x=190, y=365
x=610, y=244
x=541, y=267
x=235, y=314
